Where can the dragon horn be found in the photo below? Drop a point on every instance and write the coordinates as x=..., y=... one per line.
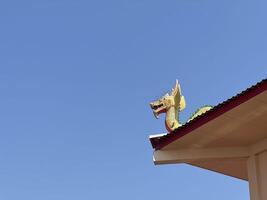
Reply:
x=176, y=88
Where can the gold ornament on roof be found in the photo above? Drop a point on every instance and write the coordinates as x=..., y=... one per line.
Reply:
x=172, y=104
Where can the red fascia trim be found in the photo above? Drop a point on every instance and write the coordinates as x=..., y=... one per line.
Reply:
x=160, y=142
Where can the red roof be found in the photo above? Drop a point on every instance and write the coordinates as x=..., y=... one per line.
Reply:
x=162, y=141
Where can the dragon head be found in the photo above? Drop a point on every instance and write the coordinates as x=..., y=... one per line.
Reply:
x=174, y=99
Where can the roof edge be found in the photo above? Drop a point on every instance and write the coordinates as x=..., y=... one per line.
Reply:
x=162, y=141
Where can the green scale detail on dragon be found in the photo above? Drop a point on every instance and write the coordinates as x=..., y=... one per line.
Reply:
x=172, y=104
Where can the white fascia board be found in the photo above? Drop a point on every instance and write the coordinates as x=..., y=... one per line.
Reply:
x=157, y=135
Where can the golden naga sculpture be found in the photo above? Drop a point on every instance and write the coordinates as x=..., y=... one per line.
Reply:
x=172, y=104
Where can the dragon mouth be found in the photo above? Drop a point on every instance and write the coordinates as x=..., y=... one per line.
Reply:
x=155, y=107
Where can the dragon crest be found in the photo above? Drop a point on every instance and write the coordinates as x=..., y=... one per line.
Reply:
x=172, y=104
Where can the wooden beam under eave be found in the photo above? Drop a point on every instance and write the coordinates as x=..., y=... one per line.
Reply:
x=188, y=155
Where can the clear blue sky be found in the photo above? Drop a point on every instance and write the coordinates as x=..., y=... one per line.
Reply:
x=76, y=78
